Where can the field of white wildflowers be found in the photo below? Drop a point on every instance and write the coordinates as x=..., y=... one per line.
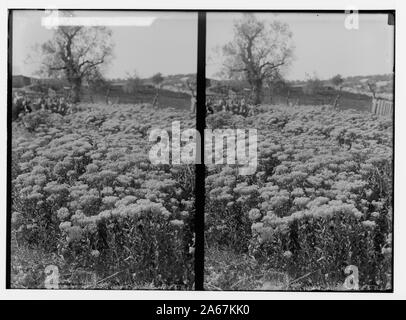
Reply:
x=86, y=199
x=321, y=200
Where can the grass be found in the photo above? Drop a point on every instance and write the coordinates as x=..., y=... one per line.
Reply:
x=177, y=100
x=230, y=271
x=28, y=267
x=347, y=100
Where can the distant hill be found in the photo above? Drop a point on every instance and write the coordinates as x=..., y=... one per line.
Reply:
x=356, y=85
x=359, y=84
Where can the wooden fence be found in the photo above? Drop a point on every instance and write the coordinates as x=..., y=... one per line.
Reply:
x=382, y=107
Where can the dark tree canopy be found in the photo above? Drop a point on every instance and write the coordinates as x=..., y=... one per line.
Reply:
x=157, y=78
x=337, y=80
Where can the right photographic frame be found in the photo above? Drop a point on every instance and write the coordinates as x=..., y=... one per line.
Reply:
x=299, y=151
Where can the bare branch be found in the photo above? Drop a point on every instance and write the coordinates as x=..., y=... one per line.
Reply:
x=271, y=65
x=57, y=68
x=238, y=69
x=92, y=65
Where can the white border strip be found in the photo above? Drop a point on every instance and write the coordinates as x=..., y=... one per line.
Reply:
x=400, y=178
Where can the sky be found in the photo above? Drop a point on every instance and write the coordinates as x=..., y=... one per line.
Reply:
x=323, y=45
x=168, y=45
x=166, y=42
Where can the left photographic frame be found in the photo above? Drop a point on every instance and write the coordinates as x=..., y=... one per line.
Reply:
x=96, y=200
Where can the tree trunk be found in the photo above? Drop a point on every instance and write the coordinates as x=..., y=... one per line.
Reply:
x=155, y=100
x=107, y=95
x=335, y=104
x=257, y=91
x=76, y=89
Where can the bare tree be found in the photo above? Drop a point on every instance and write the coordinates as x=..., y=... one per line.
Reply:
x=372, y=88
x=75, y=53
x=157, y=79
x=258, y=50
x=375, y=99
x=191, y=85
x=337, y=81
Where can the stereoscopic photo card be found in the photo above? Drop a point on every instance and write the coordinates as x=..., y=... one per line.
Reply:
x=217, y=150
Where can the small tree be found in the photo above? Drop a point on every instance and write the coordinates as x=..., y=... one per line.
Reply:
x=157, y=79
x=337, y=81
x=372, y=89
x=190, y=84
